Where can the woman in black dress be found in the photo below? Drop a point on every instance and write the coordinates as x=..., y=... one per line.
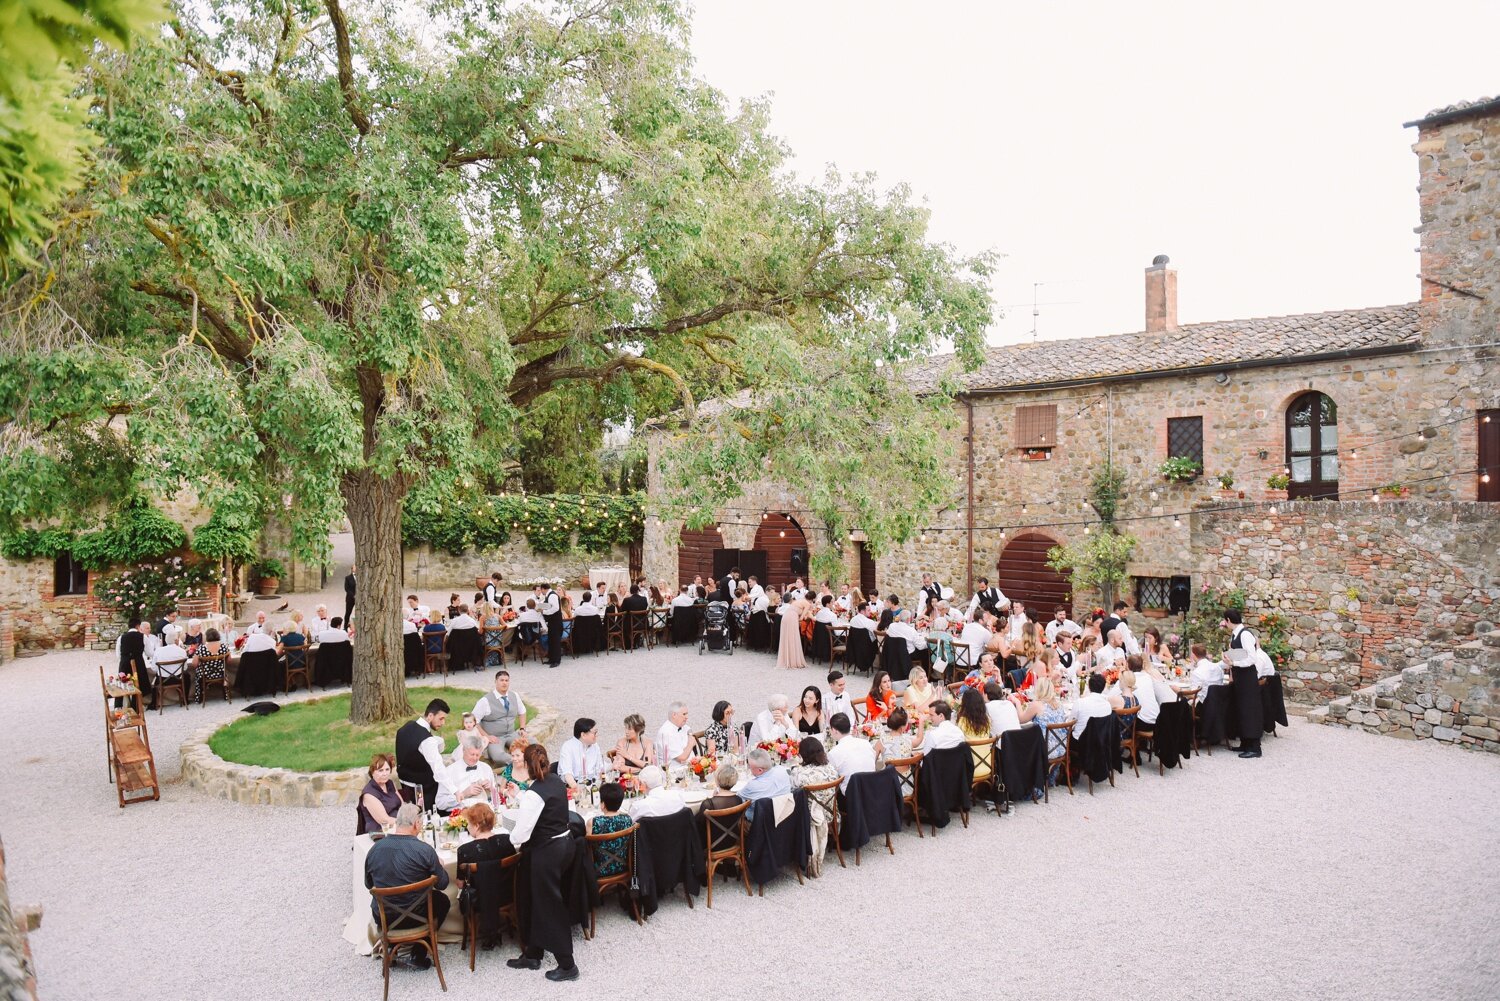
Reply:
x=490, y=883
x=809, y=715
x=541, y=831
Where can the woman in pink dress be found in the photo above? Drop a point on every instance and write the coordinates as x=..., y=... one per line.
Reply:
x=789, y=654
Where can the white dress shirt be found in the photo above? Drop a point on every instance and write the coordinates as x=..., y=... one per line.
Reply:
x=420, y=612
x=170, y=652
x=757, y=593
x=671, y=739
x=1130, y=644
x=914, y=641
x=407, y=626
x=1107, y=656
x=1003, y=716
x=863, y=621
x=683, y=600
x=1145, y=694
x=946, y=734
x=431, y=750
x=760, y=603
x=850, y=756
x=526, y=817
x=659, y=802
x=256, y=642
x=461, y=776
x=580, y=763
x=825, y=614
x=977, y=638
x=1088, y=707
x=316, y=626
x=1207, y=673
x=586, y=609
x=839, y=704
x=482, y=707
x=766, y=728
x=331, y=635
x=463, y=620
x=1054, y=627
x=549, y=604
x=841, y=603
x=257, y=628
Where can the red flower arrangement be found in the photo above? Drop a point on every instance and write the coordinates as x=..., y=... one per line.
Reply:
x=704, y=765
x=784, y=748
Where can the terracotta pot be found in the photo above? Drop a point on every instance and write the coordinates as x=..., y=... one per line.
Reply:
x=267, y=585
x=1275, y=495
x=1154, y=613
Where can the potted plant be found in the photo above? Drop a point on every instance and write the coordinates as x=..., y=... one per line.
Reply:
x=1180, y=469
x=268, y=572
x=1276, y=486
x=1226, y=485
x=1392, y=492
x=1036, y=454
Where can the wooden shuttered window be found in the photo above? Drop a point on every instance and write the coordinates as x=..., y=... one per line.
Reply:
x=1036, y=426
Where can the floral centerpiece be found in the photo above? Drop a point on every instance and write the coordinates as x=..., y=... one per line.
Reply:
x=703, y=765
x=869, y=730
x=456, y=822
x=783, y=747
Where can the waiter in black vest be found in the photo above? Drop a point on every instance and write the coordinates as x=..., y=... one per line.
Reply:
x=550, y=605
x=541, y=833
x=419, y=756
x=349, y=596
x=1240, y=655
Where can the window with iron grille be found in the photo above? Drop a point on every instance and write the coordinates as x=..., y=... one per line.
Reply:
x=1185, y=438
x=69, y=576
x=1036, y=426
x=1152, y=592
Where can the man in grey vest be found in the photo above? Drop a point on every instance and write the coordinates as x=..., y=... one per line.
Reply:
x=502, y=717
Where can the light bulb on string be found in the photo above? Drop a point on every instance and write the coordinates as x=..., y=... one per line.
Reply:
x=782, y=533
x=1484, y=477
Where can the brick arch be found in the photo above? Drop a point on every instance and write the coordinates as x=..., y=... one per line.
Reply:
x=777, y=536
x=1022, y=573
x=695, y=552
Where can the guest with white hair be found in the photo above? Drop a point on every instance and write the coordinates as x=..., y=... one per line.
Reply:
x=319, y=620
x=767, y=779
x=193, y=637
x=659, y=801
x=773, y=722
x=402, y=858
x=902, y=629
x=674, y=741
x=470, y=779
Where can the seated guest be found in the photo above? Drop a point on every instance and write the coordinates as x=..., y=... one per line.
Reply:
x=433, y=636
x=169, y=660
x=259, y=626
x=501, y=714
x=487, y=845
x=815, y=769
x=897, y=740
x=767, y=779
x=724, y=797
x=416, y=611
x=334, y=633
x=943, y=734
x=1046, y=708
x=975, y=634
x=210, y=662
x=400, y=858
x=1109, y=656
x=453, y=606
x=1206, y=673
x=586, y=607
x=919, y=693
x=193, y=637
x=988, y=671
x=1061, y=624
x=861, y=620
x=634, y=751
x=659, y=801
x=529, y=623
x=1141, y=689
x=1091, y=706
x=825, y=613
x=808, y=717
x=469, y=780
x=1002, y=713
x=609, y=820
x=674, y=738
x=850, y=755
x=257, y=673
x=722, y=733
x=463, y=631
x=901, y=628
x=514, y=775
x=379, y=799
x=881, y=699
x=836, y=696
x=974, y=724
x=580, y=761
x=319, y=621
x=773, y=723
x=683, y=598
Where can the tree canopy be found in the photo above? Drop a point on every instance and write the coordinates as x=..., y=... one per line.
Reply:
x=336, y=262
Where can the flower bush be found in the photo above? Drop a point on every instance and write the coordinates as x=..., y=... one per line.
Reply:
x=1180, y=469
x=151, y=589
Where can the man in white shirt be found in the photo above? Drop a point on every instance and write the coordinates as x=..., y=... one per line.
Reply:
x=1111, y=653
x=580, y=760
x=469, y=779
x=902, y=629
x=674, y=739
x=836, y=697
x=1016, y=627
x=1060, y=621
x=773, y=722
x=659, y=801
x=257, y=642
x=862, y=620
x=334, y=633
x=171, y=656
x=756, y=591
x=259, y=626
x=319, y=621
x=586, y=607
x=1206, y=673
x=850, y=755
x=1145, y=694
x=1090, y=706
x=841, y=603
x=683, y=598
x=1002, y=711
x=1066, y=658
x=825, y=612
x=502, y=717
x=943, y=734
x=463, y=620
x=415, y=610
x=975, y=635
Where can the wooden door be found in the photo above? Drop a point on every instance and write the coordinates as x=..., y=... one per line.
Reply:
x=1022, y=574
x=866, y=569
x=753, y=564
x=1489, y=455
x=695, y=553
x=777, y=536
x=1312, y=447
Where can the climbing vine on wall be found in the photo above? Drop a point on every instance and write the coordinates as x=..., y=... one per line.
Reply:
x=552, y=523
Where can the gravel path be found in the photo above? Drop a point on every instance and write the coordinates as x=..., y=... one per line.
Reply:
x=1338, y=866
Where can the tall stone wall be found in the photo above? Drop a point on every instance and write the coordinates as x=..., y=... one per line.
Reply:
x=1369, y=588
x=41, y=619
x=424, y=568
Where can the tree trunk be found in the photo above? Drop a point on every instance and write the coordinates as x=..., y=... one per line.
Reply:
x=374, y=508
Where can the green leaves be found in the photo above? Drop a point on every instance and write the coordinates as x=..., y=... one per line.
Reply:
x=1097, y=561
x=552, y=523
x=135, y=534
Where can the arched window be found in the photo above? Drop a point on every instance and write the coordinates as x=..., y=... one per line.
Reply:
x=1312, y=447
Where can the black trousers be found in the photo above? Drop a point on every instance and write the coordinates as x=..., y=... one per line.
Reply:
x=1247, y=706
x=348, y=609
x=554, y=639
x=549, y=930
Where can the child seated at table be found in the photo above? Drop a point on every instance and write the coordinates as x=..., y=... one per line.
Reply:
x=611, y=798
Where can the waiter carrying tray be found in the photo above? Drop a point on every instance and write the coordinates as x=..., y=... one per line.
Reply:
x=1239, y=655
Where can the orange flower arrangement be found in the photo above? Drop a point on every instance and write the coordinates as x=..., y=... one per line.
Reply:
x=704, y=765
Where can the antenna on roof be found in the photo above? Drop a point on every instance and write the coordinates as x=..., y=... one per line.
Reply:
x=1035, y=310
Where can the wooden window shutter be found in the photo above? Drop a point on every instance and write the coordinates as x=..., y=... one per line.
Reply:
x=1036, y=426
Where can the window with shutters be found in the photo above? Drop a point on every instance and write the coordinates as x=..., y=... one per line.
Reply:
x=1152, y=592
x=1036, y=429
x=1185, y=439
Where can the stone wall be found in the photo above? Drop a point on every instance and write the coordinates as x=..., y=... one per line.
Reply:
x=1453, y=698
x=424, y=568
x=40, y=619
x=1368, y=588
x=256, y=785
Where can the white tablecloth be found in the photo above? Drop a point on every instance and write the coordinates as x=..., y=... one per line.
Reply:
x=612, y=577
x=361, y=931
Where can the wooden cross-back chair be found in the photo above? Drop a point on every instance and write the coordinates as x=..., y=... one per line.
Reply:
x=725, y=841
x=423, y=930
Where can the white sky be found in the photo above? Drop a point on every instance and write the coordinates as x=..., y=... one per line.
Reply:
x=1260, y=146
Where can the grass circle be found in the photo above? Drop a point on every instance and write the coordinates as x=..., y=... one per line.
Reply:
x=316, y=735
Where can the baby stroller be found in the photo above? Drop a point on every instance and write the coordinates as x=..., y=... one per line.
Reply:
x=715, y=633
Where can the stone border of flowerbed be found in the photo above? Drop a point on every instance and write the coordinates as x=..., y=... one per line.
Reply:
x=257, y=785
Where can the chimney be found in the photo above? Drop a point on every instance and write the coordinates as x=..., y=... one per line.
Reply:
x=1161, y=296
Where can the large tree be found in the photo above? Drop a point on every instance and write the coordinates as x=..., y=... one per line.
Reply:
x=338, y=257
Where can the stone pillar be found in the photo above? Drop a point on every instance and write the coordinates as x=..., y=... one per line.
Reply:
x=1161, y=296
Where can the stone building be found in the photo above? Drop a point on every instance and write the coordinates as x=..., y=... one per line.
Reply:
x=1402, y=396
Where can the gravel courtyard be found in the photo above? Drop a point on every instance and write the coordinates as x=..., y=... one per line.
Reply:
x=1338, y=866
